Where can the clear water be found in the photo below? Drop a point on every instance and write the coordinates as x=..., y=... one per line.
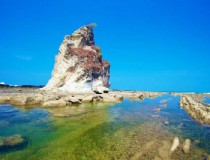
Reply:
x=206, y=100
x=116, y=131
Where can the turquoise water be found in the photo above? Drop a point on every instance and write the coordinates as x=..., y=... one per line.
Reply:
x=33, y=124
x=180, y=123
x=103, y=132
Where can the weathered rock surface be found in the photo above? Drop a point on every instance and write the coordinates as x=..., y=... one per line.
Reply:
x=74, y=100
x=54, y=103
x=18, y=100
x=5, y=99
x=79, y=66
x=61, y=99
x=166, y=122
x=186, y=146
x=174, y=145
x=196, y=108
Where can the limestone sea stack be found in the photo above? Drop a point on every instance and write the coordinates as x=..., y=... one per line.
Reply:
x=79, y=66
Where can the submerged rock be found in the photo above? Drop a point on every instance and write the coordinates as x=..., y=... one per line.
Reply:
x=157, y=109
x=79, y=66
x=13, y=140
x=166, y=122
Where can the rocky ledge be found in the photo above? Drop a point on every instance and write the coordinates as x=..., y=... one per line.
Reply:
x=52, y=99
x=195, y=107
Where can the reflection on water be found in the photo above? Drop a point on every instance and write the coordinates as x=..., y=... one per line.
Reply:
x=95, y=131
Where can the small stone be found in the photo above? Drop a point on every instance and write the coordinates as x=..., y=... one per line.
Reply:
x=186, y=146
x=166, y=122
x=197, y=141
x=174, y=145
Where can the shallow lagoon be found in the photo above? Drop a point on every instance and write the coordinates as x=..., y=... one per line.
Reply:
x=127, y=130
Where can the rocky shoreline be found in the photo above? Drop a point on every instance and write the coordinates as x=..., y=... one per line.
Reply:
x=62, y=105
x=61, y=99
x=195, y=107
x=192, y=103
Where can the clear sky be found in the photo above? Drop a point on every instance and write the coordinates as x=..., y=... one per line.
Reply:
x=156, y=45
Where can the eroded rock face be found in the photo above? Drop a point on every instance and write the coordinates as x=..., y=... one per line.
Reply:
x=79, y=66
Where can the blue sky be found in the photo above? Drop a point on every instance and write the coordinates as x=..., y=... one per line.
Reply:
x=156, y=45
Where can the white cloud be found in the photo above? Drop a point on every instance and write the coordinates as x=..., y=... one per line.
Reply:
x=24, y=58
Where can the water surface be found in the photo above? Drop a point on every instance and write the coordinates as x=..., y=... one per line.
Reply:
x=206, y=100
x=98, y=131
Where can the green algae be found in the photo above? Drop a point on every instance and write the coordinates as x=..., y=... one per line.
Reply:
x=122, y=131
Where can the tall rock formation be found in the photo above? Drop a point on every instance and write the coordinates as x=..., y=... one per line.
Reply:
x=79, y=66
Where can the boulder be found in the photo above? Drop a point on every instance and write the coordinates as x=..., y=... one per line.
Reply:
x=73, y=100
x=186, y=146
x=166, y=122
x=98, y=87
x=88, y=98
x=97, y=99
x=174, y=145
